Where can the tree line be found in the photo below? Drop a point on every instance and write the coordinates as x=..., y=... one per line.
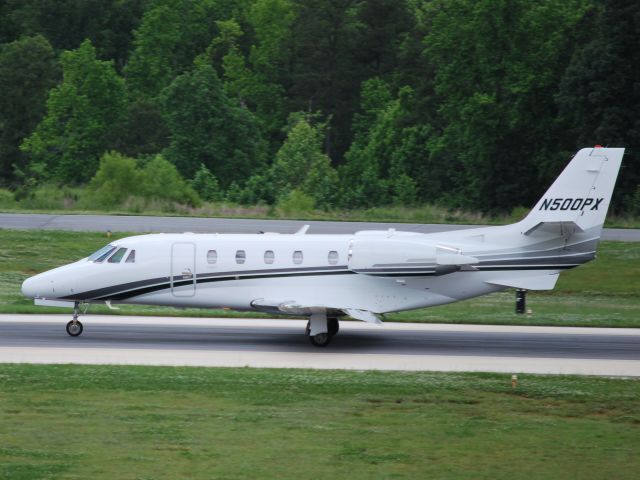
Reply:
x=476, y=104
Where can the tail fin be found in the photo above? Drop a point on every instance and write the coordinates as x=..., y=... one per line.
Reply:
x=581, y=194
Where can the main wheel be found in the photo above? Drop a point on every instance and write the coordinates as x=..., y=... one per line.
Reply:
x=74, y=328
x=333, y=326
x=320, y=339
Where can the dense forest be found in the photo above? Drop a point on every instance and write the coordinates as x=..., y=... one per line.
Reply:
x=473, y=104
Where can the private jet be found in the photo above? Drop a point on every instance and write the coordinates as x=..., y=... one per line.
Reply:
x=363, y=275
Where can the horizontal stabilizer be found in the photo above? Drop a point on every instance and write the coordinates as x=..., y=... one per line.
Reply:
x=364, y=315
x=539, y=282
x=563, y=229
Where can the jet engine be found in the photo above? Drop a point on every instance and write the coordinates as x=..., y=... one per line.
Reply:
x=391, y=253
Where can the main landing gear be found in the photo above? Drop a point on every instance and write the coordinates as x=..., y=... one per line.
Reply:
x=321, y=329
x=74, y=327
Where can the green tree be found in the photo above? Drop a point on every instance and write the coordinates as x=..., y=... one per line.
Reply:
x=28, y=70
x=109, y=24
x=209, y=128
x=84, y=117
x=300, y=164
x=497, y=65
x=171, y=35
x=206, y=185
x=386, y=162
x=599, y=95
x=117, y=178
x=160, y=179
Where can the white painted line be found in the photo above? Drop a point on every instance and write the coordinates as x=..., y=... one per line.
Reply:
x=283, y=323
x=104, y=356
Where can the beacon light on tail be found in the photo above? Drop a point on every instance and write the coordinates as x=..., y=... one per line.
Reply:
x=364, y=275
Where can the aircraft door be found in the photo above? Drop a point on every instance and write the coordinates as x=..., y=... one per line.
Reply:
x=183, y=269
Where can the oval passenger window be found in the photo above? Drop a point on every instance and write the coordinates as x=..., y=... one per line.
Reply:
x=241, y=256
x=212, y=256
x=269, y=257
x=297, y=257
x=333, y=257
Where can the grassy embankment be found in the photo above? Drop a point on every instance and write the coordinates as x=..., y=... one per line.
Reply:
x=68, y=200
x=150, y=422
x=601, y=293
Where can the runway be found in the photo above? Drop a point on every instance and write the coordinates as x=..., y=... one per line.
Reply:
x=358, y=346
x=146, y=224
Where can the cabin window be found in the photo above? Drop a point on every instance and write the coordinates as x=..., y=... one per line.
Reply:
x=333, y=257
x=241, y=256
x=212, y=256
x=131, y=258
x=297, y=257
x=269, y=257
x=116, y=257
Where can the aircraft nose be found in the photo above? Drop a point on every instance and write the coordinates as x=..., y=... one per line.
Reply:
x=36, y=286
x=29, y=288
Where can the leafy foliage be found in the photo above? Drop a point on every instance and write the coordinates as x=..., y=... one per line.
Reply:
x=206, y=185
x=473, y=104
x=28, y=70
x=209, y=128
x=120, y=178
x=83, y=118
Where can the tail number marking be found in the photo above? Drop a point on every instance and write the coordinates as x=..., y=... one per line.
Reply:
x=576, y=204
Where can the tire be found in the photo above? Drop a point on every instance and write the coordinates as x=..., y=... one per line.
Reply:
x=333, y=325
x=74, y=328
x=320, y=340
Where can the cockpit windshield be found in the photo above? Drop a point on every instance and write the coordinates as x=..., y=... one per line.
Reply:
x=101, y=254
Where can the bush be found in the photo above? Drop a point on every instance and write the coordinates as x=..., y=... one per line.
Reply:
x=161, y=180
x=7, y=200
x=294, y=202
x=117, y=178
x=120, y=182
x=206, y=185
x=50, y=197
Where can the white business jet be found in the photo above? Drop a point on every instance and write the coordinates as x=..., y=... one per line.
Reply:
x=363, y=275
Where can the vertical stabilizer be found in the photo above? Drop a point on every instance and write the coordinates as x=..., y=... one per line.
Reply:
x=582, y=193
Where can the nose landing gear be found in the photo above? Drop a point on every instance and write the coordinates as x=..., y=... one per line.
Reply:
x=74, y=327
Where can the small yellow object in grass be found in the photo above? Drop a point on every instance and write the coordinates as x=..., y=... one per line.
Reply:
x=514, y=381
x=108, y=233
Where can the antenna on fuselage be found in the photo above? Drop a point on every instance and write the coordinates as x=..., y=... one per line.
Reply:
x=303, y=230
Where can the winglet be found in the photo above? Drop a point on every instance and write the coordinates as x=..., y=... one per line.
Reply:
x=302, y=230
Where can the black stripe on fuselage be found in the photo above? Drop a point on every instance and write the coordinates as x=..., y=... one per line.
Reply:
x=133, y=289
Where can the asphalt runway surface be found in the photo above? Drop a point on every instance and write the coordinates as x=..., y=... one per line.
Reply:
x=173, y=341
x=147, y=224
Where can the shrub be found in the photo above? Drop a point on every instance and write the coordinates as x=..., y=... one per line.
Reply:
x=294, y=202
x=50, y=197
x=161, y=180
x=117, y=178
x=206, y=185
x=7, y=200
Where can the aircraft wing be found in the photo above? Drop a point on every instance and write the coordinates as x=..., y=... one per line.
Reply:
x=291, y=307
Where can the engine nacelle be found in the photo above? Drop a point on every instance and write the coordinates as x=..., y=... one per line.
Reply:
x=402, y=254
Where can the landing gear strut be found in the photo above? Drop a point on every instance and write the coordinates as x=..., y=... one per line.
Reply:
x=324, y=329
x=74, y=327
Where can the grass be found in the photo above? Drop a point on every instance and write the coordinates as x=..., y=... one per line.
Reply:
x=601, y=293
x=71, y=422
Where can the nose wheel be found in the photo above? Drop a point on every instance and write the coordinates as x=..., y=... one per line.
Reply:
x=74, y=327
